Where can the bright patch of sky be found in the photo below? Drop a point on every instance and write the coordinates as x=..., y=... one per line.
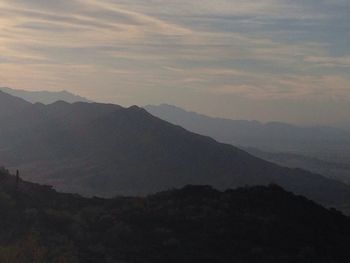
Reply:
x=269, y=60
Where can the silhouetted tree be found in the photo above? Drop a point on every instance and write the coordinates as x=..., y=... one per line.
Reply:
x=16, y=184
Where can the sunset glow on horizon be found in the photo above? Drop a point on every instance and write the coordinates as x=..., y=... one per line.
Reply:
x=266, y=60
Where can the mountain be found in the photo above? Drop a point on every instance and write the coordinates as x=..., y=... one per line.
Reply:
x=45, y=97
x=324, y=143
x=107, y=150
x=335, y=170
x=11, y=105
x=191, y=224
x=273, y=136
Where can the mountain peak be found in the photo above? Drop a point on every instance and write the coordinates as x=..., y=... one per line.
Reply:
x=45, y=97
x=61, y=103
x=108, y=150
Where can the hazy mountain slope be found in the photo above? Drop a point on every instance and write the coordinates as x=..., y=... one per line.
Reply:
x=347, y=126
x=270, y=136
x=325, y=143
x=101, y=149
x=192, y=224
x=10, y=105
x=334, y=170
x=45, y=97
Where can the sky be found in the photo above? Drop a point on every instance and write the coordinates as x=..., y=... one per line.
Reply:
x=271, y=60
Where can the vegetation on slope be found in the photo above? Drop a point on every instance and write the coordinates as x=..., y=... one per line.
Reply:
x=193, y=224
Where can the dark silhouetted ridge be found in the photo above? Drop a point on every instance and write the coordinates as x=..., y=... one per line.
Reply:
x=107, y=150
x=262, y=224
x=45, y=97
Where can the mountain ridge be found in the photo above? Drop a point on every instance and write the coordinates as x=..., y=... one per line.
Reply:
x=329, y=144
x=45, y=97
x=106, y=150
x=264, y=224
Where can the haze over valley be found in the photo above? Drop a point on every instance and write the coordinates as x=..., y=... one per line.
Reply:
x=321, y=149
x=174, y=131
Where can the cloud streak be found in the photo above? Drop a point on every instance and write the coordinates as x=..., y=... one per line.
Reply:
x=144, y=51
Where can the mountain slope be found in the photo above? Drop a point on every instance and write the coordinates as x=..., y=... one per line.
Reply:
x=334, y=170
x=192, y=224
x=273, y=136
x=45, y=97
x=328, y=144
x=101, y=149
x=11, y=105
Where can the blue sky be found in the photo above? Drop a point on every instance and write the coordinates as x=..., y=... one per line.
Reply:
x=268, y=60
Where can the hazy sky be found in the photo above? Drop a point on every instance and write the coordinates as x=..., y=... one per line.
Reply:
x=261, y=59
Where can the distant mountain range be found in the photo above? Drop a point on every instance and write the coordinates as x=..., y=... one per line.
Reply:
x=292, y=151
x=107, y=150
x=262, y=224
x=273, y=140
x=45, y=97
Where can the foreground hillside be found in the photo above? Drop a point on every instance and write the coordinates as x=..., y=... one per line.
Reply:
x=193, y=224
x=107, y=150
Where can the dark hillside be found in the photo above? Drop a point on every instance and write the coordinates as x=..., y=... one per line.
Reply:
x=193, y=224
x=107, y=150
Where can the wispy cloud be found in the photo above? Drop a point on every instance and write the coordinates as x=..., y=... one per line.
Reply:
x=330, y=61
x=273, y=49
